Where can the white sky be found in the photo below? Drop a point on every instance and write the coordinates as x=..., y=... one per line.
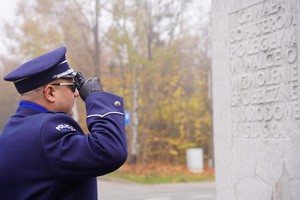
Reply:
x=7, y=11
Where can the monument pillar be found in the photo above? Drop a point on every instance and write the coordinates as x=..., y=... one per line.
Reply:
x=256, y=99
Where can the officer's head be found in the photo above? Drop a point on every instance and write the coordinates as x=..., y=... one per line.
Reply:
x=47, y=80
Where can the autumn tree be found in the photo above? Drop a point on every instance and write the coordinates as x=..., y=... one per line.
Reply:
x=145, y=50
x=153, y=34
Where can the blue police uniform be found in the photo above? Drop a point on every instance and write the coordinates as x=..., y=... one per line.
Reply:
x=45, y=154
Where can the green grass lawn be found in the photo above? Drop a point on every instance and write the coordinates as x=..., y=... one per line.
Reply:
x=154, y=178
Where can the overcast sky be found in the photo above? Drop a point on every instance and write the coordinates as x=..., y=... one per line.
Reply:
x=8, y=9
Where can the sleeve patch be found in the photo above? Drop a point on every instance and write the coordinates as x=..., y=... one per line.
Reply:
x=64, y=126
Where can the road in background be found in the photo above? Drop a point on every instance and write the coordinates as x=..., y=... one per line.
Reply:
x=118, y=190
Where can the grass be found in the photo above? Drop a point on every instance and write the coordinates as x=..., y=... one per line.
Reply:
x=155, y=173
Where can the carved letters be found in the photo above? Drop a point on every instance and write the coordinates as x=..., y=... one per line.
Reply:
x=264, y=70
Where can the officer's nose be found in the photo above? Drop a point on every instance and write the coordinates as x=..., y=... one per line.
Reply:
x=76, y=93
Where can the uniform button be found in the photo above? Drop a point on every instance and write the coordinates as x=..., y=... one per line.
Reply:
x=117, y=103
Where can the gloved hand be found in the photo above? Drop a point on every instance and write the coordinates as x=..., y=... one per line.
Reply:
x=79, y=79
x=88, y=87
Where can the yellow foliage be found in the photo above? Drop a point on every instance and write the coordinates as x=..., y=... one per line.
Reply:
x=170, y=74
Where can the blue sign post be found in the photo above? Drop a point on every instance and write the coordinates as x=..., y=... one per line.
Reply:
x=127, y=118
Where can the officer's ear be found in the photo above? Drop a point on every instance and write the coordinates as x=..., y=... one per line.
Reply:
x=49, y=93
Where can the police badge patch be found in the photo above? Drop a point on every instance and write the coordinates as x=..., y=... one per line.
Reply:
x=64, y=126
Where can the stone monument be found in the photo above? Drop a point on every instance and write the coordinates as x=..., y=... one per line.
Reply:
x=256, y=99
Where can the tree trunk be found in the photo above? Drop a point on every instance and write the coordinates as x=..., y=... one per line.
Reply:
x=135, y=121
x=96, y=39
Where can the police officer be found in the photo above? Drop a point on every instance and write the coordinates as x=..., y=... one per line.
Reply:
x=44, y=153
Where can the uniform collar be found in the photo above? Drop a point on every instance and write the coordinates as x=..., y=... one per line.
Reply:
x=32, y=105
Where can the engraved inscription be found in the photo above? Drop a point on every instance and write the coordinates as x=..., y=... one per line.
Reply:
x=264, y=74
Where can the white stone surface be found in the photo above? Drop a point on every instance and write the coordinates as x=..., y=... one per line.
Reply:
x=256, y=99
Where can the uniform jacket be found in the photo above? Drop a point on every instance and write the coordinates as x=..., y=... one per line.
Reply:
x=46, y=155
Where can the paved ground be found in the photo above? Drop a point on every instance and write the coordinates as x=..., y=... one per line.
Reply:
x=116, y=190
